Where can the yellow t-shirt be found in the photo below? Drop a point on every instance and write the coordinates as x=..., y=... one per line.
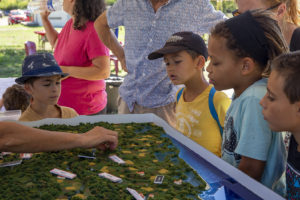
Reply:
x=31, y=115
x=194, y=119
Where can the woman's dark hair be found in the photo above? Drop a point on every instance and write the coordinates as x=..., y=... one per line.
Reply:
x=87, y=10
x=275, y=40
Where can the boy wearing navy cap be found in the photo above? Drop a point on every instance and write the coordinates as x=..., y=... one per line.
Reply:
x=41, y=77
x=200, y=110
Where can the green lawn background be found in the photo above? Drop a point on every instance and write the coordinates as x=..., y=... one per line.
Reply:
x=12, y=49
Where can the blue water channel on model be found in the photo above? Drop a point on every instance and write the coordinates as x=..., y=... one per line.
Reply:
x=220, y=186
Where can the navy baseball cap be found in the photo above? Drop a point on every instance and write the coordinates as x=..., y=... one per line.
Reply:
x=181, y=41
x=39, y=65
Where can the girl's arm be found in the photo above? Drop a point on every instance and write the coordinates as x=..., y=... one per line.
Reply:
x=252, y=167
x=51, y=33
x=18, y=138
x=98, y=71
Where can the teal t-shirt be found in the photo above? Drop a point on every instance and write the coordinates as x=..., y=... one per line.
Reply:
x=246, y=133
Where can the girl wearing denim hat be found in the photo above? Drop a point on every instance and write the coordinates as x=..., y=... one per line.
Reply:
x=41, y=77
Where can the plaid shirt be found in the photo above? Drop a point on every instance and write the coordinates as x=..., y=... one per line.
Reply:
x=147, y=83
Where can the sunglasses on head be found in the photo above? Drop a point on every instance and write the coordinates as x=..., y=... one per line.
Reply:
x=236, y=12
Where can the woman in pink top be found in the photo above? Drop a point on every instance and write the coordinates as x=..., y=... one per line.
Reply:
x=81, y=54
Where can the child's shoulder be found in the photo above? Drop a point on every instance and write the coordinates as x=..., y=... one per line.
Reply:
x=29, y=115
x=221, y=100
x=180, y=89
x=179, y=93
x=256, y=91
x=219, y=95
x=68, y=112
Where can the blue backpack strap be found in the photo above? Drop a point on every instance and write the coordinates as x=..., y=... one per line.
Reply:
x=212, y=109
x=179, y=94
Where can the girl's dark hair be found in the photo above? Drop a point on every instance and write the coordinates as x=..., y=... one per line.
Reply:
x=87, y=10
x=276, y=42
x=288, y=66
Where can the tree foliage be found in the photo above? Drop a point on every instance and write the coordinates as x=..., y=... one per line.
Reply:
x=13, y=4
x=225, y=6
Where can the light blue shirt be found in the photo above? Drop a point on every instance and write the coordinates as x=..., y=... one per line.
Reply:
x=147, y=83
x=246, y=133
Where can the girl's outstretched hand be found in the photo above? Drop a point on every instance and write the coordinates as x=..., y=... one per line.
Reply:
x=100, y=138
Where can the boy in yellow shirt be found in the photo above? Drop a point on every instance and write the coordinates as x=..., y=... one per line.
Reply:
x=200, y=109
x=41, y=77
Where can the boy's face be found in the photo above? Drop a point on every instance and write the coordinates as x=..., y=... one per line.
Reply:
x=223, y=73
x=277, y=109
x=45, y=90
x=181, y=67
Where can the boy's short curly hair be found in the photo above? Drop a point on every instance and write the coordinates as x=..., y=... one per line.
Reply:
x=16, y=98
x=288, y=66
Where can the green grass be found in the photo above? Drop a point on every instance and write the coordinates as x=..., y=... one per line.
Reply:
x=12, y=50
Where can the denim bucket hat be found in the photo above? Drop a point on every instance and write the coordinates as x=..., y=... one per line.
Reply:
x=39, y=65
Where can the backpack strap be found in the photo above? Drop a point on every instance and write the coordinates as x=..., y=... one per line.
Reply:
x=179, y=94
x=212, y=109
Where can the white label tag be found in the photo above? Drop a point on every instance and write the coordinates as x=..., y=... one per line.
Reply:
x=110, y=177
x=116, y=159
x=135, y=194
x=159, y=179
x=179, y=182
x=88, y=157
x=63, y=173
x=6, y=153
x=10, y=164
x=26, y=155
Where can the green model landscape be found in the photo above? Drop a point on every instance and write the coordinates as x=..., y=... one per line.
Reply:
x=145, y=149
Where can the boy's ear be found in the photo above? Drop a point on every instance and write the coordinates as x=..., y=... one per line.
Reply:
x=200, y=62
x=247, y=66
x=28, y=88
x=297, y=104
